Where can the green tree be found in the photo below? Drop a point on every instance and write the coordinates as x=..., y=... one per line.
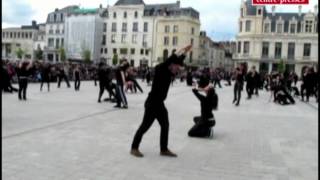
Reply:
x=19, y=53
x=115, y=59
x=86, y=55
x=39, y=54
x=281, y=66
x=62, y=54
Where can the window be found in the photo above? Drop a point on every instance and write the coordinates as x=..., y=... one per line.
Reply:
x=147, y=52
x=241, y=12
x=166, y=41
x=18, y=34
x=123, y=38
x=293, y=28
x=114, y=27
x=10, y=34
x=316, y=27
x=30, y=35
x=135, y=14
x=191, y=56
x=114, y=15
x=279, y=28
x=22, y=35
x=239, y=47
x=104, y=27
x=306, y=49
x=240, y=26
x=124, y=51
x=133, y=51
x=175, y=41
x=14, y=35
x=248, y=26
x=278, y=48
x=141, y=51
x=134, y=39
x=124, y=27
x=259, y=11
x=57, y=31
x=192, y=31
x=191, y=41
x=246, y=47
x=125, y=15
x=113, y=38
x=267, y=27
x=135, y=27
x=265, y=49
x=167, y=29
x=144, y=40
x=175, y=28
x=291, y=49
x=57, y=43
x=27, y=35
x=62, y=42
x=308, y=27
x=145, y=27
x=101, y=51
x=50, y=42
x=106, y=50
x=114, y=51
x=103, y=40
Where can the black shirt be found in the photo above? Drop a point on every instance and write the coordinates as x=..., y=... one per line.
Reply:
x=208, y=103
x=161, y=81
x=119, y=76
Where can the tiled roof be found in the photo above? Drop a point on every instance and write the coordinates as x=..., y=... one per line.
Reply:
x=129, y=2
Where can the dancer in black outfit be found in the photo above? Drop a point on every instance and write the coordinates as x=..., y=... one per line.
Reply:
x=238, y=86
x=154, y=105
x=63, y=75
x=77, y=78
x=23, y=73
x=45, y=75
x=205, y=122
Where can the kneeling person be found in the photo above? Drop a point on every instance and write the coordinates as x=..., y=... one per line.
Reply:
x=205, y=122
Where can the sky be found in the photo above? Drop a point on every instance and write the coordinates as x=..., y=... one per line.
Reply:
x=218, y=17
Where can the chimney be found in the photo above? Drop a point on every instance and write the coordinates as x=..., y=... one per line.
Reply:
x=316, y=9
x=300, y=7
x=273, y=10
x=33, y=23
x=56, y=10
x=178, y=3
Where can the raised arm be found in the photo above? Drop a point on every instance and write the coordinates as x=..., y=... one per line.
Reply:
x=198, y=95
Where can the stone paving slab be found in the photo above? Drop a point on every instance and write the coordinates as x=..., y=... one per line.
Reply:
x=67, y=135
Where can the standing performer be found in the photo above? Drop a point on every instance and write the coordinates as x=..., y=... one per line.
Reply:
x=121, y=82
x=154, y=105
x=23, y=73
x=77, y=78
x=45, y=75
x=238, y=86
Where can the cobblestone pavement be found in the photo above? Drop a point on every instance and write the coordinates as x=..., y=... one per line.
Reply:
x=67, y=135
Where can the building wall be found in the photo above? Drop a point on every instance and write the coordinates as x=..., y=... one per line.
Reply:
x=82, y=32
x=258, y=34
x=185, y=25
x=15, y=38
x=142, y=51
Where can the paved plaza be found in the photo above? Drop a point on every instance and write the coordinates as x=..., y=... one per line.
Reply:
x=67, y=135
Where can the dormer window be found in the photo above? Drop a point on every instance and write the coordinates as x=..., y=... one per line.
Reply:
x=135, y=14
x=267, y=27
x=292, y=28
x=125, y=15
x=248, y=26
x=279, y=27
x=308, y=27
x=241, y=12
x=259, y=11
x=114, y=15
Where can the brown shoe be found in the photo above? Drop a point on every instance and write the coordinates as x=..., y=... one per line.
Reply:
x=168, y=153
x=136, y=152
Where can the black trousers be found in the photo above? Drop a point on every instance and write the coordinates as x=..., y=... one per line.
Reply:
x=151, y=113
x=217, y=82
x=23, y=84
x=237, y=92
x=77, y=84
x=250, y=89
x=45, y=81
x=201, y=128
x=136, y=86
x=65, y=78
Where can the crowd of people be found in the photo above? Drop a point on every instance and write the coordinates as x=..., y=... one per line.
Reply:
x=119, y=80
